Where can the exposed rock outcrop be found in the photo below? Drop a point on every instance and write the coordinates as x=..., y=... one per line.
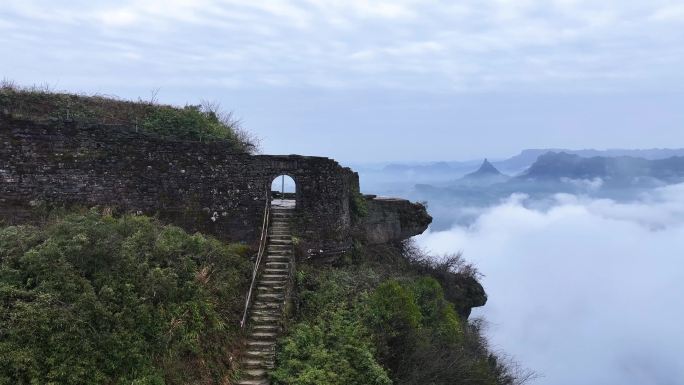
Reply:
x=392, y=220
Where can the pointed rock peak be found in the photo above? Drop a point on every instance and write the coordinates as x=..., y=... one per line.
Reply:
x=487, y=168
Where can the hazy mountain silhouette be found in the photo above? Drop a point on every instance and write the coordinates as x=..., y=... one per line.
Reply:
x=522, y=161
x=620, y=170
x=486, y=175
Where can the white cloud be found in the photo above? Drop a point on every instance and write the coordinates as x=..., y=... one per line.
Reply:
x=585, y=184
x=473, y=45
x=586, y=292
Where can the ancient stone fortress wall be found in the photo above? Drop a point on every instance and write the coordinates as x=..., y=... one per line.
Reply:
x=198, y=186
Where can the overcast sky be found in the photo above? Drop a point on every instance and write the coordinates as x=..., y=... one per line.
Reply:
x=376, y=80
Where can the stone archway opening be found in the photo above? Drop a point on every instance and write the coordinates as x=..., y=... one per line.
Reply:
x=283, y=191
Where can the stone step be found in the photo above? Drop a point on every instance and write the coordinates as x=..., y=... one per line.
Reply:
x=278, y=238
x=279, y=259
x=264, y=346
x=266, y=320
x=276, y=249
x=269, y=295
x=261, y=320
x=277, y=241
x=267, y=305
x=259, y=293
x=256, y=364
x=271, y=289
x=280, y=242
x=281, y=234
x=264, y=336
x=277, y=265
x=253, y=382
x=266, y=328
x=263, y=282
x=254, y=374
x=286, y=246
x=267, y=315
x=279, y=252
x=280, y=256
x=270, y=271
x=266, y=312
x=271, y=285
x=275, y=277
x=253, y=354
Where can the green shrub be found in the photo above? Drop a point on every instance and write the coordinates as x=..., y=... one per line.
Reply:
x=359, y=205
x=386, y=320
x=189, y=122
x=193, y=122
x=92, y=299
x=393, y=308
x=332, y=350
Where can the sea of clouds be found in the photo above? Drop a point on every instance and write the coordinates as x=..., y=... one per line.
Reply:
x=582, y=291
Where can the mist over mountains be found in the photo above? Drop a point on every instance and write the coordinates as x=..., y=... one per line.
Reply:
x=459, y=190
x=560, y=237
x=617, y=170
x=512, y=165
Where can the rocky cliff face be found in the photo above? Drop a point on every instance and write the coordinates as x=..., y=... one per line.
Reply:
x=392, y=220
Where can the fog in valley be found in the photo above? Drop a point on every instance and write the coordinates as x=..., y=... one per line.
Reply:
x=584, y=275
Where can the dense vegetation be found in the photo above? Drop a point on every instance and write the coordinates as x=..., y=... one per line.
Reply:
x=92, y=299
x=193, y=122
x=376, y=323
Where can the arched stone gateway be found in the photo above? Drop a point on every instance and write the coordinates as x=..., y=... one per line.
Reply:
x=284, y=192
x=198, y=186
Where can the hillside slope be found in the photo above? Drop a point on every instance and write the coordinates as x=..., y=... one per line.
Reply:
x=92, y=299
x=388, y=316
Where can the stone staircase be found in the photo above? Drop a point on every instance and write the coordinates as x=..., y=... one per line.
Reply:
x=269, y=298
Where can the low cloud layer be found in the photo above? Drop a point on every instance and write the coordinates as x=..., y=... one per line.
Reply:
x=586, y=291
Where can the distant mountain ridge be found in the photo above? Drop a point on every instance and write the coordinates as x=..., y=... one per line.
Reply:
x=556, y=165
x=527, y=157
x=518, y=163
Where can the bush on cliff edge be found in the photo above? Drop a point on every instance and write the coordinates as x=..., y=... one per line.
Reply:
x=366, y=324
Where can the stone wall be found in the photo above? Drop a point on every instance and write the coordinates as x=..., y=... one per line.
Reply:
x=198, y=186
